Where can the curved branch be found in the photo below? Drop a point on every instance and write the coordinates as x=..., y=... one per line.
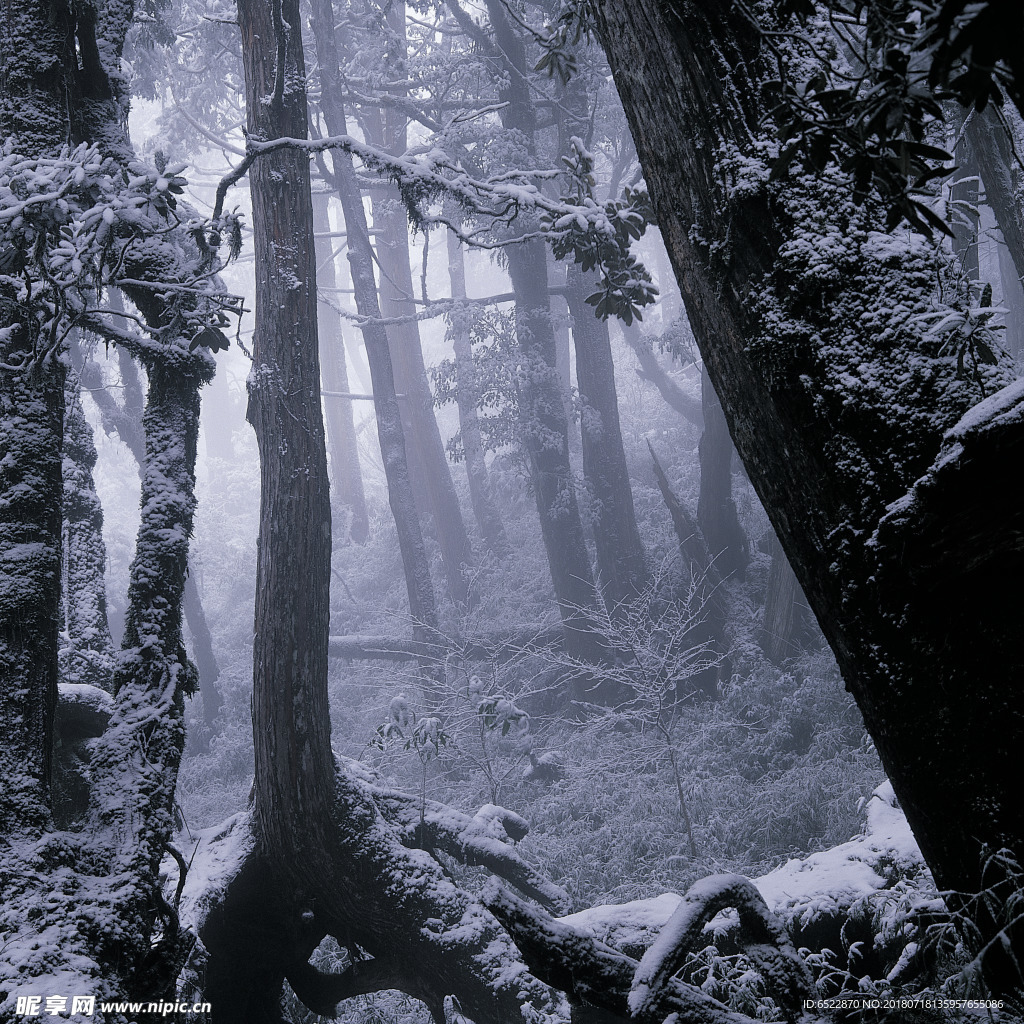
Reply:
x=591, y=973
x=762, y=937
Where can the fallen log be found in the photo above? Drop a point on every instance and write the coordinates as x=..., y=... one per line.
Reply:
x=503, y=645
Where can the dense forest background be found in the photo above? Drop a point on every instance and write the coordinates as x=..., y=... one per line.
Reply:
x=465, y=455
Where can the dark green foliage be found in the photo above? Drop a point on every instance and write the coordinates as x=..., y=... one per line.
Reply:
x=875, y=108
x=600, y=241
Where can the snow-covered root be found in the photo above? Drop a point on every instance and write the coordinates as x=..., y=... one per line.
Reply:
x=761, y=936
x=404, y=924
x=599, y=980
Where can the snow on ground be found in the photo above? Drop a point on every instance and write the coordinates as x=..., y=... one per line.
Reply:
x=822, y=883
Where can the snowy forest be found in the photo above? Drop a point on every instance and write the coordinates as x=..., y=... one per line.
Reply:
x=507, y=511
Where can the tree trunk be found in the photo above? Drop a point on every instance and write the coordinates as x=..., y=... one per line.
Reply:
x=206, y=659
x=782, y=608
x=706, y=582
x=716, y=510
x=965, y=220
x=34, y=44
x=126, y=421
x=341, y=431
x=992, y=147
x=830, y=450
x=485, y=509
x=294, y=764
x=31, y=418
x=88, y=652
x=431, y=475
x=541, y=409
x=620, y=552
x=651, y=370
x=1013, y=301
x=560, y=318
x=422, y=603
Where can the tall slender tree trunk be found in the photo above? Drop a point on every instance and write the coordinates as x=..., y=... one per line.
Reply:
x=716, y=509
x=992, y=147
x=1013, y=301
x=431, y=474
x=423, y=435
x=966, y=221
x=422, y=602
x=782, y=609
x=560, y=319
x=620, y=552
x=541, y=408
x=340, y=423
x=87, y=654
x=485, y=509
x=294, y=795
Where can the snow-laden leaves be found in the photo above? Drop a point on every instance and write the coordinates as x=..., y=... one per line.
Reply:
x=76, y=223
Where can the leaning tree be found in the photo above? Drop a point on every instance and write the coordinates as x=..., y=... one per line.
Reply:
x=874, y=413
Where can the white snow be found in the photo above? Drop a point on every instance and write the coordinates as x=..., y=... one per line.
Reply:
x=824, y=881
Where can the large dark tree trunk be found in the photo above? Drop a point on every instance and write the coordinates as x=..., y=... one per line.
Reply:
x=908, y=595
x=33, y=116
x=340, y=423
x=294, y=766
x=31, y=416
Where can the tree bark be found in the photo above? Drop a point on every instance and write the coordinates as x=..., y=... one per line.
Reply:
x=88, y=652
x=341, y=431
x=294, y=764
x=485, y=509
x=31, y=418
x=828, y=450
x=34, y=44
